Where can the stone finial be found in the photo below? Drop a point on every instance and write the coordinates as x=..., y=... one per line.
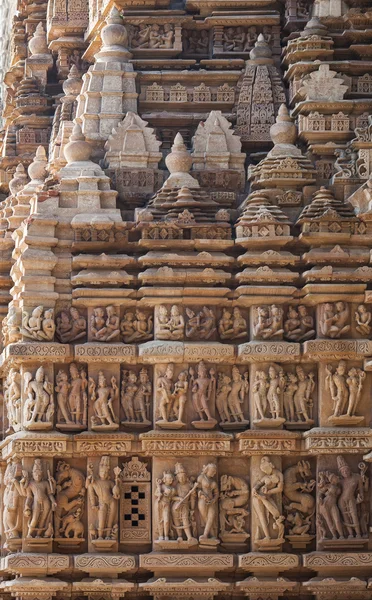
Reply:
x=283, y=134
x=314, y=27
x=132, y=144
x=179, y=163
x=77, y=149
x=284, y=130
x=19, y=180
x=72, y=85
x=38, y=42
x=261, y=51
x=115, y=39
x=324, y=85
x=37, y=169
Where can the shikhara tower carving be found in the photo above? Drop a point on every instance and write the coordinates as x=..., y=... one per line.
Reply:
x=186, y=299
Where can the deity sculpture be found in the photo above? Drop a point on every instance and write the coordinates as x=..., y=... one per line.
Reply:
x=12, y=506
x=164, y=494
x=299, y=501
x=38, y=408
x=203, y=392
x=234, y=508
x=299, y=325
x=171, y=398
x=363, y=318
x=103, y=494
x=169, y=326
x=334, y=319
x=39, y=325
x=40, y=501
x=268, y=323
x=103, y=396
x=297, y=399
x=12, y=399
x=266, y=505
x=135, y=398
x=267, y=392
x=104, y=324
x=183, y=506
x=354, y=486
x=208, y=504
x=136, y=327
x=70, y=487
x=71, y=325
x=342, y=507
x=232, y=326
x=72, y=398
x=230, y=396
x=329, y=491
x=345, y=388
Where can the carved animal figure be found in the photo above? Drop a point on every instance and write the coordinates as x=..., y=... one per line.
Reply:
x=72, y=525
x=70, y=493
x=234, y=497
x=297, y=485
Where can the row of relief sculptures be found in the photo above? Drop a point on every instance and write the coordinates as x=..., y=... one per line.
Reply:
x=235, y=39
x=241, y=39
x=55, y=506
x=182, y=397
x=151, y=36
x=269, y=322
x=189, y=510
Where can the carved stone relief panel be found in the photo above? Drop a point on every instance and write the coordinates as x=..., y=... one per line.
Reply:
x=268, y=519
x=104, y=324
x=342, y=502
x=38, y=404
x=71, y=393
x=299, y=502
x=234, y=504
x=136, y=395
x=344, y=394
x=299, y=324
x=185, y=396
x=38, y=487
x=136, y=326
x=103, y=397
x=103, y=494
x=70, y=524
x=283, y=396
x=186, y=504
x=13, y=501
x=71, y=325
x=334, y=320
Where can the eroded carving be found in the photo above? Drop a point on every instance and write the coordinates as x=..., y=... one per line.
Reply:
x=345, y=387
x=38, y=407
x=39, y=324
x=71, y=325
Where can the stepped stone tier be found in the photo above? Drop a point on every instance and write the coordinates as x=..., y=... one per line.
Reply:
x=186, y=299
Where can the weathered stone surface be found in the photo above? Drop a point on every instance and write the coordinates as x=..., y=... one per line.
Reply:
x=185, y=302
